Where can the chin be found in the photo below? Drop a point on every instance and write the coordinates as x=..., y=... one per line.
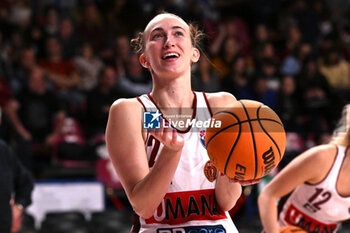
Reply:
x=170, y=73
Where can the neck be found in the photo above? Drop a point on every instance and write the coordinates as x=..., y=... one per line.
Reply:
x=176, y=93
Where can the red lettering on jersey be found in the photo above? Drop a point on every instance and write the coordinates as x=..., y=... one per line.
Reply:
x=181, y=207
x=295, y=217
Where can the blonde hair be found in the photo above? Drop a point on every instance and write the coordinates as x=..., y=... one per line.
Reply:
x=341, y=134
x=138, y=43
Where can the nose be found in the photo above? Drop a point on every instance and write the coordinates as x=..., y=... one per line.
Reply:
x=168, y=42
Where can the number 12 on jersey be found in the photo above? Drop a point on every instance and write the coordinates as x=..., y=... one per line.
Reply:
x=315, y=205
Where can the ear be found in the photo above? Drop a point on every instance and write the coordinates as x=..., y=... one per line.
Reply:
x=195, y=55
x=144, y=61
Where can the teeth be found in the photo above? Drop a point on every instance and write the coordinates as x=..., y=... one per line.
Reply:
x=171, y=55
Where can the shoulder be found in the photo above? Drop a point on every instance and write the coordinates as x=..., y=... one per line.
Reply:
x=321, y=153
x=126, y=105
x=124, y=113
x=319, y=160
x=219, y=100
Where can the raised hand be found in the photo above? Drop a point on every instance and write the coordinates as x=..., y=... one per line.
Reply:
x=168, y=136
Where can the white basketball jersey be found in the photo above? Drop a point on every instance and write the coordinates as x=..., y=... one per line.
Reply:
x=189, y=204
x=319, y=207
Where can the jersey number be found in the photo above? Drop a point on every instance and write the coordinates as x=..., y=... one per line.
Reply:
x=314, y=206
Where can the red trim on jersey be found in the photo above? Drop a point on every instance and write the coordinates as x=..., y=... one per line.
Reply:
x=144, y=107
x=193, y=113
x=208, y=105
x=154, y=152
x=180, y=207
x=342, y=164
x=296, y=217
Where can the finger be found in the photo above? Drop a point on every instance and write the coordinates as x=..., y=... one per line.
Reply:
x=256, y=181
x=174, y=137
x=151, y=131
x=245, y=182
x=166, y=130
x=234, y=180
x=158, y=134
x=250, y=182
x=163, y=125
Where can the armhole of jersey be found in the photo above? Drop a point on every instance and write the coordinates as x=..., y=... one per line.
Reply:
x=329, y=171
x=336, y=181
x=144, y=108
x=207, y=102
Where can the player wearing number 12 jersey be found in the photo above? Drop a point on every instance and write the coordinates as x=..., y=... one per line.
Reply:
x=321, y=189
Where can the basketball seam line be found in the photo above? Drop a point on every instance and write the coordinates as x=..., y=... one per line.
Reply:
x=251, y=120
x=239, y=133
x=223, y=129
x=251, y=128
x=257, y=116
x=239, y=122
x=234, y=145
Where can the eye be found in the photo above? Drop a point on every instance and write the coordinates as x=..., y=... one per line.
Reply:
x=157, y=35
x=178, y=33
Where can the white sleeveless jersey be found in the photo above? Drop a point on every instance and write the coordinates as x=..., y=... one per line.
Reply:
x=189, y=204
x=319, y=207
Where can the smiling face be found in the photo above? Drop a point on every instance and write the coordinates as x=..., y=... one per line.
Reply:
x=168, y=47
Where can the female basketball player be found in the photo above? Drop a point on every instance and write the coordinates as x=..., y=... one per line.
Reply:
x=321, y=184
x=166, y=172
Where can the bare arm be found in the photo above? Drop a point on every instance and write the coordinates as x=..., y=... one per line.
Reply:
x=289, y=178
x=227, y=192
x=144, y=187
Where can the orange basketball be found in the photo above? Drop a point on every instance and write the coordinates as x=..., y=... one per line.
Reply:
x=291, y=229
x=249, y=143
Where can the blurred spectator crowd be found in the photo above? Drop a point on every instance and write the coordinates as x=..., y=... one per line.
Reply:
x=63, y=63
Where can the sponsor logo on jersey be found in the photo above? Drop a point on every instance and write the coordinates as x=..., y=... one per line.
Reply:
x=180, y=207
x=295, y=217
x=194, y=229
x=210, y=171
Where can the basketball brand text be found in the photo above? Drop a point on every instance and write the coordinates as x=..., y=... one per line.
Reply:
x=269, y=160
x=240, y=172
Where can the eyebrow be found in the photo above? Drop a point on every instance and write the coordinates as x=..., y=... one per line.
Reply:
x=174, y=27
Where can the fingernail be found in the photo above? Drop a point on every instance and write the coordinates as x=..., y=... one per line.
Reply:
x=174, y=130
x=166, y=123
